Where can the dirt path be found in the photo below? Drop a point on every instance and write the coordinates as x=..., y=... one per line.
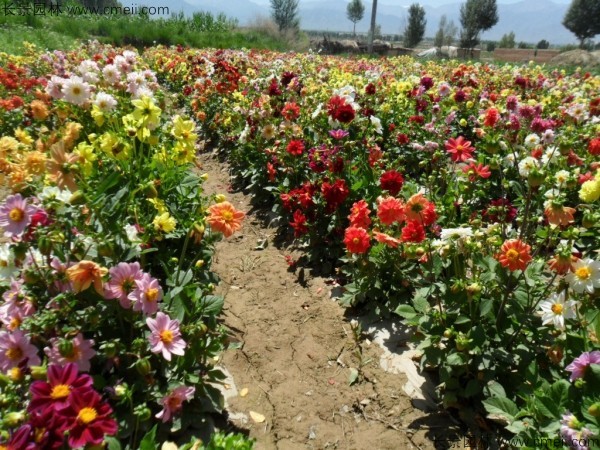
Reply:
x=295, y=351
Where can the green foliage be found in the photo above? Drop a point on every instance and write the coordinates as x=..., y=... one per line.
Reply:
x=583, y=19
x=476, y=16
x=507, y=40
x=355, y=12
x=285, y=14
x=416, y=25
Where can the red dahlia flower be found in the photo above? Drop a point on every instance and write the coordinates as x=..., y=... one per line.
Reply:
x=88, y=419
x=295, y=148
x=299, y=223
x=460, y=149
x=391, y=181
x=413, y=231
x=335, y=193
x=390, y=210
x=594, y=147
x=54, y=393
x=357, y=240
x=359, y=215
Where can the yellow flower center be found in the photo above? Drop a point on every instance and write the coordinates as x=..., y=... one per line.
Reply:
x=557, y=308
x=227, y=216
x=87, y=415
x=512, y=254
x=356, y=240
x=76, y=90
x=583, y=273
x=60, y=391
x=16, y=214
x=166, y=336
x=14, y=353
x=152, y=294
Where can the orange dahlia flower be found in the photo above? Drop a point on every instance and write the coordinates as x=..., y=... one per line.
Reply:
x=225, y=218
x=84, y=274
x=559, y=215
x=514, y=255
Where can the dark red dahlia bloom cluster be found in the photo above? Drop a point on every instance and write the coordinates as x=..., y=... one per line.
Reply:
x=64, y=405
x=391, y=181
x=335, y=193
x=339, y=110
x=500, y=210
x=301, y=197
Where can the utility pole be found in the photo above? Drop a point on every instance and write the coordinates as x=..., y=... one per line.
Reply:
x=373, y=20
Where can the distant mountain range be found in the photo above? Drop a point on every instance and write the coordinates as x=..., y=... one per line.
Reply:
x=531, y=21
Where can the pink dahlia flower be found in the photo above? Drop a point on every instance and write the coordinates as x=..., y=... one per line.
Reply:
x=165, y=336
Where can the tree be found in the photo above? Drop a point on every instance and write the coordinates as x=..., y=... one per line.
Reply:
x=507, y=40
x=583, y=19
x=543, y=44
x=416, y=25
x=355, y=12
x=372, y=28
x=476, y=16
x=285, y=14
x=446, y=32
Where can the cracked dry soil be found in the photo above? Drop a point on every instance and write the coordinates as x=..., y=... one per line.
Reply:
x=295, y=350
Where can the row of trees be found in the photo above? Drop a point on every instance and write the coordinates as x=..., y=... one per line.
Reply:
x=476, y=16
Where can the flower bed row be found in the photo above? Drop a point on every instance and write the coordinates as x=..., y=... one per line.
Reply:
x=108, y=324
x=462, y=198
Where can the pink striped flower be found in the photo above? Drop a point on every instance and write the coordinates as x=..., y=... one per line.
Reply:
x=122, y=282
x=80, y=354
x=15, y=348
x=165, y=336
x=146, y=295
x=15, y=215
x=172, y=402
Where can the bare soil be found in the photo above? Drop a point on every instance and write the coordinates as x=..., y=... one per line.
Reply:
x=292, y=351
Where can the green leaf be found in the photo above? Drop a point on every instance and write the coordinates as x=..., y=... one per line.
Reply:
x=212, y=305
x=406, y=311
x=594, y=370
x=148, y=441
x=456, y=359
x=495, y=389
x=112, y=443
x=501, y=407
x=421, y=304
x=547, y=407
x=473, y=388
x=559, y=393
x=352, y=376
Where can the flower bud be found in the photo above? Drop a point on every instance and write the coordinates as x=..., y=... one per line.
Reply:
x=143, y=366
x=149, y=190
x=594, y=410
x=143, y=413
x=45, y=245
x=66, y=348
x=220, y=198
x=13, y=419
x=199, y=264
x=38, y=372
x=77, y=198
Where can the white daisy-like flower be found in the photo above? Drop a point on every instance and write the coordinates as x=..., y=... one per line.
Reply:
x=577, y=111
x=8, y=269
x=556, y=309
x=526, y=165
x=550, y=155
x=143, y=91
x=130, y=57
x=584, y=276
x=111, y=74
x=105, y=102
x=532, y=140
x=376, y=122
x=456, y=233
x=76, y=91
x=55, y=86
x=561, y=177
x=121, y=64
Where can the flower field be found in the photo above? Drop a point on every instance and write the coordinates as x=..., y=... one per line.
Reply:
x=109, y=325
x=459, y=199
